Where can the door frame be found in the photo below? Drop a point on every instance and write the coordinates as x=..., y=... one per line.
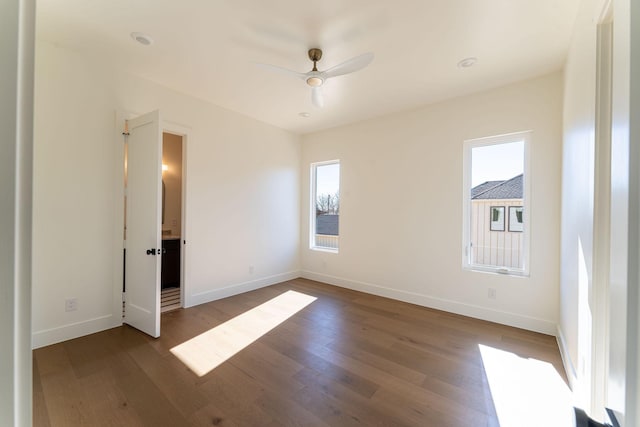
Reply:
x=118, y=209
x=599, y=292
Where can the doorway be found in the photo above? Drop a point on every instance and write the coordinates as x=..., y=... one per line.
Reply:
x=150, y=208
x=172, y=213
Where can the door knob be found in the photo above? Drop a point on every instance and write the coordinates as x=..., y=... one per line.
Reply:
x=151, y=251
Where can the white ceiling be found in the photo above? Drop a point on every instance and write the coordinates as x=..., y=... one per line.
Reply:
x=208, y=49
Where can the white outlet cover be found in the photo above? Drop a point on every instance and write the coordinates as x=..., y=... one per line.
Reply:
x=71, y=304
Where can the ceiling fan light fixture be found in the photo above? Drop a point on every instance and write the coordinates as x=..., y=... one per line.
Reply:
x=315, y=81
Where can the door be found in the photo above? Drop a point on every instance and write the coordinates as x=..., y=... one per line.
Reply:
x=142, y=222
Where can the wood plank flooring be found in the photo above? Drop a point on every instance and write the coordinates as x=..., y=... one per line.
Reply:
x=347, y=359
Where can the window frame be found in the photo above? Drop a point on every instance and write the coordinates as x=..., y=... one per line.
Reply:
x=468, y=145
x=312, y=205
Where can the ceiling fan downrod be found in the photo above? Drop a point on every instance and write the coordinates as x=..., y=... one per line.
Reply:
x=315, y=55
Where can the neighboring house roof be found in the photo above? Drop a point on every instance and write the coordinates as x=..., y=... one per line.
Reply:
x=509, y=189
x=483, y=187
x=327, y=224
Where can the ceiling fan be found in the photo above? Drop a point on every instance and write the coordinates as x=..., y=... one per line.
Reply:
x=316, y=79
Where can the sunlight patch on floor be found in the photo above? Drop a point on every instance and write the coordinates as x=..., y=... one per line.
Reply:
x=526, y=392
x=210, y=349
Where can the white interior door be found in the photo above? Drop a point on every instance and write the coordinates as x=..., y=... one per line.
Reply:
x=143, y=224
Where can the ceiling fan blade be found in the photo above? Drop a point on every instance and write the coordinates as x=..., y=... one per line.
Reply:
x=316, y=97
x=349, y=66
x=281, y=70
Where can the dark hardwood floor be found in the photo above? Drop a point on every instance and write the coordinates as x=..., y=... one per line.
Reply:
x=347, y=359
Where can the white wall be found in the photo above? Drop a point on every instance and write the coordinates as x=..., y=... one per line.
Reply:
x=242, y=194
x=578, y=292
x=16, y=143
x=401, y=204
x=576, y=271
x=624, y=370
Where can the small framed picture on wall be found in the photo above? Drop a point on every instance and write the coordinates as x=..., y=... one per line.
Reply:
x=496, y=216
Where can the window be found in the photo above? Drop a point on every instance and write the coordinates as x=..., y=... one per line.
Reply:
x=325, y=205
x=495, y=210
x=497, y=218
x=515, y=218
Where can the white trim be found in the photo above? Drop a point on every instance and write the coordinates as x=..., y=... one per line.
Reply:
x=569, y=369
x=239, y=288
x=624, y=328
x=71, y=331
x=470, y=310
x=504, y=271
x=599, y=292
x=118, y=213
x=468, y=145
x=312, y=203
x=603, y=11
x=175, y=128
x=323, y=249
x=17, y=18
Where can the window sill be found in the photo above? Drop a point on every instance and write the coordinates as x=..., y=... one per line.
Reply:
x=323, y=249
x=501, y=271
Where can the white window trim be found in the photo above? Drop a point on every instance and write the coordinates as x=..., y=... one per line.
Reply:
x=312, y=207
x=466, y=204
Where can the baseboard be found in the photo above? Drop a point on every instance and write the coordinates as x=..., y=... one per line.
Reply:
x=228, y=291
x=569, y=369
x=98, y=324
x=75, y=330
x=502, y=317
x=71, y=331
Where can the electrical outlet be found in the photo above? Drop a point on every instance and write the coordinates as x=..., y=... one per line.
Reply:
x=71, y=304
x=492, y=293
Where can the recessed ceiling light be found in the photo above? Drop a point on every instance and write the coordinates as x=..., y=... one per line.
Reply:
x=304, y=114
x=467, y=62
x=142, y=38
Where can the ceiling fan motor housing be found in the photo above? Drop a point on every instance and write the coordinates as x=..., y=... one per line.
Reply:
x=315, y=54
x=314, y=78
